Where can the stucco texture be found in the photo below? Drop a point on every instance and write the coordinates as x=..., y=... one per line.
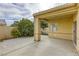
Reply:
x=64, y=28
x=5, y=32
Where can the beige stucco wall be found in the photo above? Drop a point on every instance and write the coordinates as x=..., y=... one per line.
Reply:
x=64, y=28
x=5, y=32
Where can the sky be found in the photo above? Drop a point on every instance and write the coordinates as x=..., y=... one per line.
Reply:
x=15, y=11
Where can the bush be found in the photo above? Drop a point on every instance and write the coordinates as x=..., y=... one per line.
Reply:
x=44, y=24
x=24, y=28
x=1, y=40
x=15, y=33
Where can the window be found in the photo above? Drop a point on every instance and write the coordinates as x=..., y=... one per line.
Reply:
x=54, y=27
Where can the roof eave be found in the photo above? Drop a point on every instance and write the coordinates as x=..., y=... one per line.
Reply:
x=56, y=8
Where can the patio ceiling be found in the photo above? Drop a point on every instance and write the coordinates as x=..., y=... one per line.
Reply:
x=61, y=16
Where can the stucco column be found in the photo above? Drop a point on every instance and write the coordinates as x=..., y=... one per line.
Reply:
x=77, y=19
x=49, y=29
x=37, y=30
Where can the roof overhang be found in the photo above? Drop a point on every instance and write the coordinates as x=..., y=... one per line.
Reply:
x=66, y=9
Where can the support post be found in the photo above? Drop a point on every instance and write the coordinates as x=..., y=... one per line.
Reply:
x=77, y=31
x=37, y=30
x=49, y=29
x=77, y=19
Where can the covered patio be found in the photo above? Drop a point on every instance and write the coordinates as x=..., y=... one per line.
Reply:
x=62, y=21
x=46, y=47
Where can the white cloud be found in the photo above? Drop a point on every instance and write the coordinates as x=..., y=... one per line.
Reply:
x=33, y=7
x=45, y=6
x=17, y=10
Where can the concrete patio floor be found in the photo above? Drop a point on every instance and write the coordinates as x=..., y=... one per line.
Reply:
x=46, y=47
